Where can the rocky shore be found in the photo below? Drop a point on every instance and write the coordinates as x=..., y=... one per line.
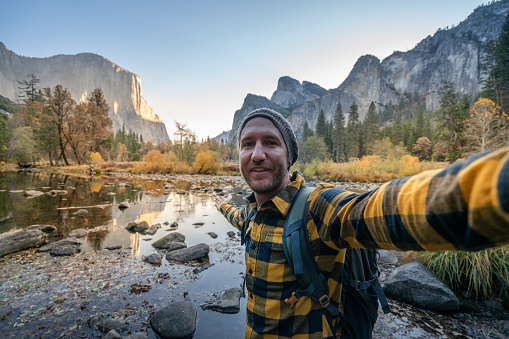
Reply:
x=56, y=291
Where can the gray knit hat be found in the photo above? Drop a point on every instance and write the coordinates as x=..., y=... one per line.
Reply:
x=282, y=125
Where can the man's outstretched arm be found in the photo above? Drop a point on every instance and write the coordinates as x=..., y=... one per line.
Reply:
x=464, y=206
x=235, y=215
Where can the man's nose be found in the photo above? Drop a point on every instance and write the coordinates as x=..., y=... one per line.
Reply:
x=258, y=152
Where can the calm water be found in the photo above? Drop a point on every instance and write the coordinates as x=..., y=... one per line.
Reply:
x=150, y=202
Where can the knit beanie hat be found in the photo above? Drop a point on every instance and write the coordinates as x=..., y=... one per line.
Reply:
x=282, y=125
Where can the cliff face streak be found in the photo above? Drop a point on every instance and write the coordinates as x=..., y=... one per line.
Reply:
x=81, y=74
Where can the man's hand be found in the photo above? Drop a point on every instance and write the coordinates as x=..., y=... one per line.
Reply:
x=220, y=199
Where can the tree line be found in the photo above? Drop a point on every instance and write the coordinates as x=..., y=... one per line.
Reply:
x=460, y=127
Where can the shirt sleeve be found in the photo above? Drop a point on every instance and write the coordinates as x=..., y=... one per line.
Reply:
x=464, y=206
x=235, y=215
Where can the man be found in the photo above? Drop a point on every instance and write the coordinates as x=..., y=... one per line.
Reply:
x=465, y=206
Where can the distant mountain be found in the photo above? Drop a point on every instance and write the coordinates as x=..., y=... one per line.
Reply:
x=450, y=54
x=81, y=74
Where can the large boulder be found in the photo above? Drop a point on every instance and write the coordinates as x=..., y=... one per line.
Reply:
x=195, y=252
x=228, y=301
x=20, y=241
x=176, y=320
x=413, y=283
x=167, y=241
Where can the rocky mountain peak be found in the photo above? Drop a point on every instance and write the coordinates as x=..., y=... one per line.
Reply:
x=291, y=93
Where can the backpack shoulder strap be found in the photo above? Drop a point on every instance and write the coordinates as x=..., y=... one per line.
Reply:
x=297, y=250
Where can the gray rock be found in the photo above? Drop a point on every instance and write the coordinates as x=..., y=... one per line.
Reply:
x=198, y=224
x=228, y=301
x=137, y=227
x=176, y=320
x=166, y=241
x=174, y=225
x=81, y=212
x=21, y=240
x=63, y=242
x=108, y=324
x=123, y=205
x=181, y=192
x=154, y=259
x=388, y=257
x=414, y=284
x=44, y=228
x=65, y=251
x=153, y=229
x=231, y=234
x=212, y=235
x=112, y=335
x=195, y=252
x=78, y=233
x=114, y=247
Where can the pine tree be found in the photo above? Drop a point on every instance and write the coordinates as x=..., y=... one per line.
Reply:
x=352, y=131
x=370, y=130
x=451, y=121
x=397, y=134
x=321, y=127
x=306, y=131
x=339, y=135
x=419, y=123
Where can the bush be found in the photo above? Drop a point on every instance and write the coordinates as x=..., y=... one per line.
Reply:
x=484, y=273
x=97, y=171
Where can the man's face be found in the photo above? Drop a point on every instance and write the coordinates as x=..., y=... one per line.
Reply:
x=263, y=158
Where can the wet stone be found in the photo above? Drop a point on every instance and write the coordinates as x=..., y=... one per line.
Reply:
x=112, y=335
x=65, y=250
x=114, y=247
x=123, y=205
x=166, y=241
x=138, y=335
x=81, y=212
x=195, y=252
x=154, y=259
x=228, y=301
x=78, y=233
x=176, y=320
x=44, y=228
x=212, y=235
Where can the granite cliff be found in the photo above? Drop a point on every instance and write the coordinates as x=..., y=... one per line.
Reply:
x=81, y=74
x=451, y=54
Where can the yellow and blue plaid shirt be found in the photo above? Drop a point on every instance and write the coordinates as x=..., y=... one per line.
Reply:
x=464, y=206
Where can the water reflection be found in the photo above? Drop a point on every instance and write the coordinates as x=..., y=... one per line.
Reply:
x=149, y=201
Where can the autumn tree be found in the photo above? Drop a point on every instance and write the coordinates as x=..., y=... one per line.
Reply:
x=422, y=148
x=60, y=105
x=184, y=141
x=486, y=127
x=22, y=147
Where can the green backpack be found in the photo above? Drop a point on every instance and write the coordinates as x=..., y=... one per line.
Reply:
x=361, y=288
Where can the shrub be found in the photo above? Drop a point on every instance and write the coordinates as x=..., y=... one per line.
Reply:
x=97, y=171
x=484, y=273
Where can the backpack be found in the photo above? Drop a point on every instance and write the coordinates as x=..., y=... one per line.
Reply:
x=361, y=290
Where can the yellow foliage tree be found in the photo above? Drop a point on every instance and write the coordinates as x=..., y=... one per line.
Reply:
x=96, y=158
x=487, y=127
x=207, y=162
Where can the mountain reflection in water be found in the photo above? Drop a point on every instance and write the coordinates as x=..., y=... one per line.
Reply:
x=149, y=201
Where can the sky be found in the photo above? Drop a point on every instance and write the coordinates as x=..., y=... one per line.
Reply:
x=198, y=60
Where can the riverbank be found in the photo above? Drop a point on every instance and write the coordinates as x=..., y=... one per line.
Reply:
x=52, y=297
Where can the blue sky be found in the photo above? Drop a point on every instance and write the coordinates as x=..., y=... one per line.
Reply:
x=199, y=59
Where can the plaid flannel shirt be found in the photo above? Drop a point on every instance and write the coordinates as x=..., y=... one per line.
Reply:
x=464, y=206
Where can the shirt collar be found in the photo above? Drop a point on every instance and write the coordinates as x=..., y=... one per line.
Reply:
x=284, y=198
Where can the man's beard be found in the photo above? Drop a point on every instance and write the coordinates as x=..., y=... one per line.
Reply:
x=275, y=182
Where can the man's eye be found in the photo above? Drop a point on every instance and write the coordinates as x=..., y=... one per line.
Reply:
x=247, y=144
